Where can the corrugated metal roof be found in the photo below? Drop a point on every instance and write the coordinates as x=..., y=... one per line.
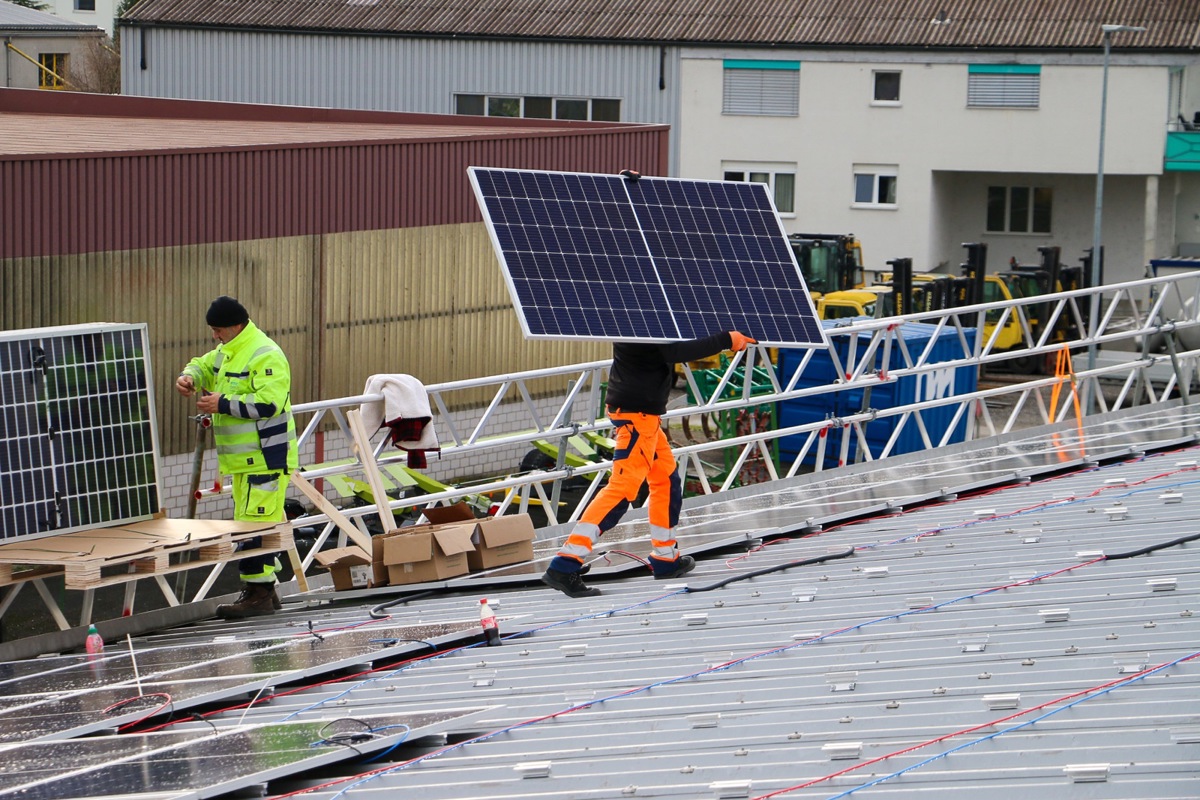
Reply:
x=62, y=124
x=993, y=644
x=20, y=18
x=59, y=135
x=1171, y=24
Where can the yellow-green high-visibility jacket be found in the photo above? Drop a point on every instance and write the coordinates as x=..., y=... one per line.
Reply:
x=253, y=427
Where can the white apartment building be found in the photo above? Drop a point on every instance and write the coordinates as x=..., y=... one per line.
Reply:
x=918, y=154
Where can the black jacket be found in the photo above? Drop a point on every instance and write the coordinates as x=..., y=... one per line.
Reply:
x=642, y=374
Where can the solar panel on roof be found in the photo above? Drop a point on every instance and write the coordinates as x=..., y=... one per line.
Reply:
x=657, y=259
x=77, y=436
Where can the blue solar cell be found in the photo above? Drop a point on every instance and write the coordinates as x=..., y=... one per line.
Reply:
x=598, y=256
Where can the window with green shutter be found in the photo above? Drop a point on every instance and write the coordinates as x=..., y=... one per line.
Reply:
x=1003, y=85
x=761, y=88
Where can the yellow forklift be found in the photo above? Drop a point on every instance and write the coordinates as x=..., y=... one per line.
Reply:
x=927, y=292
x=829, y=262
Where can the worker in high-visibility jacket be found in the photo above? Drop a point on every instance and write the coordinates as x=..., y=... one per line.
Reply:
x=245, y=383
x=639, y=385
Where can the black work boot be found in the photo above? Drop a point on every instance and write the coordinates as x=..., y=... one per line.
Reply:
x=569, y=583
x=276, y=603
x=256, y=600
x=665, y=570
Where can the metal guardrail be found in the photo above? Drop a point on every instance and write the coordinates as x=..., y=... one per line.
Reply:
x=1163, y=310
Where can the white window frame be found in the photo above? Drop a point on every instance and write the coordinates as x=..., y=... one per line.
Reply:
x=876, y=172
x=875, y=101
x=759, y=172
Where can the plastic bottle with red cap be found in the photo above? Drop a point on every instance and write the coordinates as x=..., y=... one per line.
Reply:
x=487, y=619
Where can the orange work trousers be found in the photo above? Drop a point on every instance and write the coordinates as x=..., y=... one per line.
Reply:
x=643, y=455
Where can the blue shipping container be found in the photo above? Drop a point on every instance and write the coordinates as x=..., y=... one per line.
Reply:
x=910, y=389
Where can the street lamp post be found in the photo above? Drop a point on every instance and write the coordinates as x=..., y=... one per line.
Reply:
x=1097, y=243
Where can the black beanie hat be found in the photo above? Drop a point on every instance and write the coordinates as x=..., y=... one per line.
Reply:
x=225, y=312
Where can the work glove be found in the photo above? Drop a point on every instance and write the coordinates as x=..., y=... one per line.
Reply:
x=739, y=341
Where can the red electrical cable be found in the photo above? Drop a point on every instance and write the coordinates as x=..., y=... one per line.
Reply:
x=166, y=698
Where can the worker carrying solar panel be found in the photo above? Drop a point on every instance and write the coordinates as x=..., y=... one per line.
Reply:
x=245, y=383
x=639, y=385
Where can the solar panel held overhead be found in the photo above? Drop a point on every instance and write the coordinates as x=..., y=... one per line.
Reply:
x=653, y=259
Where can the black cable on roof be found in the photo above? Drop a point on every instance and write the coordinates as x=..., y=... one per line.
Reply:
x=777, y=568
x=378, y=611
x=1145, y=550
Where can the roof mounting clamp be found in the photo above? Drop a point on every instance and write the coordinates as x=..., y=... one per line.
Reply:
x=730, y=789
x=714, y=660
x=999, y=702
x=842, y=681
x=1055, y=614
x=1133, y=667
x=842, y=750
x=1171, y=497
x=918, y=602
x=533, y=769
x=1162, y=584
x=974, y=644
x=1186, y=735
x=1087, y=773
x=573, y=650
x=695, y=618
x=482, y=680
x=704, y=720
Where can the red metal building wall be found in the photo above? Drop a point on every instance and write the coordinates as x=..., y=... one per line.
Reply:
x=81, y=202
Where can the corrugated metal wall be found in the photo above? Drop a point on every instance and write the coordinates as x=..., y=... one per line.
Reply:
x=427, y=301
x=395, y=73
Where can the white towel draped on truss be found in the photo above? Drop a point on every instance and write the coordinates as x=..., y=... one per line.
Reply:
x=404, y=399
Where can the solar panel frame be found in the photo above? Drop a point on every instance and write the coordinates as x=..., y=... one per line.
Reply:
x=589, y=256
x=78, y=432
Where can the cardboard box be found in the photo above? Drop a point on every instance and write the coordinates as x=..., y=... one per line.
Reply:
x=428, y=552
x=380, y=574
x=501, y=540
x=349, y=566
x=440, y=515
